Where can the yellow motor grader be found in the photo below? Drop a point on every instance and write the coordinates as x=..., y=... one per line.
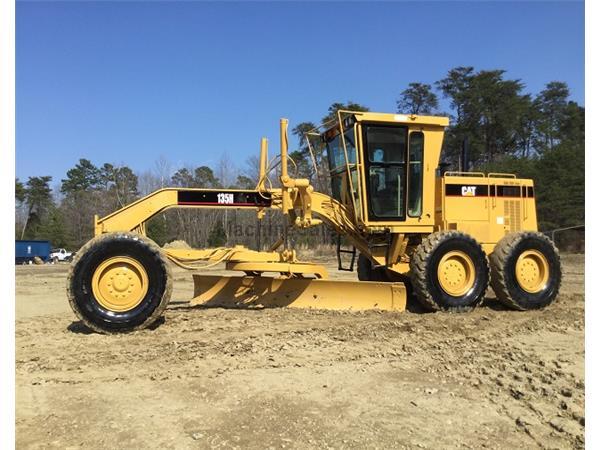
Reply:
x=443, y=235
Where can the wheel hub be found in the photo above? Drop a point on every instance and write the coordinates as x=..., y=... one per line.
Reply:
x=532, y=271
x=456, y=273
x=120, y=283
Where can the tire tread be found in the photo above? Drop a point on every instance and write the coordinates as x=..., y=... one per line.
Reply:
x=504, y=248
x=418, y=270
x=157, y=254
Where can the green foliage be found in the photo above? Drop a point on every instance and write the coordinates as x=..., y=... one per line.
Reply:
x=560, y=186
x=521, y=167
x=244, y=182
x=551, y=104
x=303, y=161
x=217, y=236
x=300, y=130
x=202, y=177
x=84, y=176
x=335, y=107
x=20, y=191
x=157, y=229
x=572, y=127
x=302, y=166
x=418, y=98
x=490, y=111
x=54, y=229
x=182, y=178
x=38, y=200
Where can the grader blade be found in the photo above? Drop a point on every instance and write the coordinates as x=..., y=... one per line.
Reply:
x=268, y=292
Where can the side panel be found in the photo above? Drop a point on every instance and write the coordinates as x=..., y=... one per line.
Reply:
x=487, y=208
x=223, y=198
x=132, y=216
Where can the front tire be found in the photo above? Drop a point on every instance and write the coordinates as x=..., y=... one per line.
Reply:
x=119, y=282
x=449, y=271
x=526, y=270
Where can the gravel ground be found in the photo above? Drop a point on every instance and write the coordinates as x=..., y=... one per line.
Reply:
x=287, y=378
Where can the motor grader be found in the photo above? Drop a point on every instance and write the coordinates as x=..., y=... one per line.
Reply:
x=441, y=237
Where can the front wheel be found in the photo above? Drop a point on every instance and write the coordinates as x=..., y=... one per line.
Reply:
x=449, y=271
x=119, y=282
x=526, y=270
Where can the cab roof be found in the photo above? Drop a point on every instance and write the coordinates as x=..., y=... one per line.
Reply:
x=440, y=121
x=350, y=117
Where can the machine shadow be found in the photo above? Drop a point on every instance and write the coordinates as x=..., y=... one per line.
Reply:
x=494, y=304
x=412, y=306
x=78, y=327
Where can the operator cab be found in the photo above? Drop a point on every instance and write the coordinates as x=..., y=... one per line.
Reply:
x=390, y=187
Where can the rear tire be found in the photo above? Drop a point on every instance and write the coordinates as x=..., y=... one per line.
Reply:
x=449, y=271
x=526, y=270
x=119, y=282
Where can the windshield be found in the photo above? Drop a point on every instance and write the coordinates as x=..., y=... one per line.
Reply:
x=335, y=151
x=341, y=187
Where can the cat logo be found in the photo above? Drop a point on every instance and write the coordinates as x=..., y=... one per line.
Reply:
x=468, y=191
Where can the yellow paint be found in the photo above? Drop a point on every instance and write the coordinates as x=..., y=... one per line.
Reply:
x=456, y=273
x=486, y=218
x=532, y=271
x=287, y=269
x=120, y=283
x=252, y=292
x=237, y=253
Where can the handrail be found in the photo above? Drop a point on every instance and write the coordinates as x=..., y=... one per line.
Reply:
x=501, y=175
x=458, y=173
x=556, y=230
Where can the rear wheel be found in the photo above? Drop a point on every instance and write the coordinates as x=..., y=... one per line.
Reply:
x=119, y=282
x=449, y=271
x=526, y=271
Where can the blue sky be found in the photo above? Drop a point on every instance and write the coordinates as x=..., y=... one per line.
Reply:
x=128, y=82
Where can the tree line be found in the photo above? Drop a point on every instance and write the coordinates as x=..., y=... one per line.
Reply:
x=539, y=136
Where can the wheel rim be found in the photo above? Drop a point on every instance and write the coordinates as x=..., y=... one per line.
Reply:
x=120, y=283
x=456, y=273
x=532, y=271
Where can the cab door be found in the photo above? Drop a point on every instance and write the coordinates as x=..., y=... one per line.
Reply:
x=385, y=155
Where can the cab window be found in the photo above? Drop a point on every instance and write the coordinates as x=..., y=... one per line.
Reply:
x=415, y=174
x=337, y=166
x=386, y=154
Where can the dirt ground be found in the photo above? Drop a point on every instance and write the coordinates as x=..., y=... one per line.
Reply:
x=286, y=378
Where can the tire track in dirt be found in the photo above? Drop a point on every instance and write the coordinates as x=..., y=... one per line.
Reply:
x=519, y=374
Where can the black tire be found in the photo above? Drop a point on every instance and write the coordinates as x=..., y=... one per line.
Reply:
x=79, y=284
x=424, y=266
x=503, y=263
